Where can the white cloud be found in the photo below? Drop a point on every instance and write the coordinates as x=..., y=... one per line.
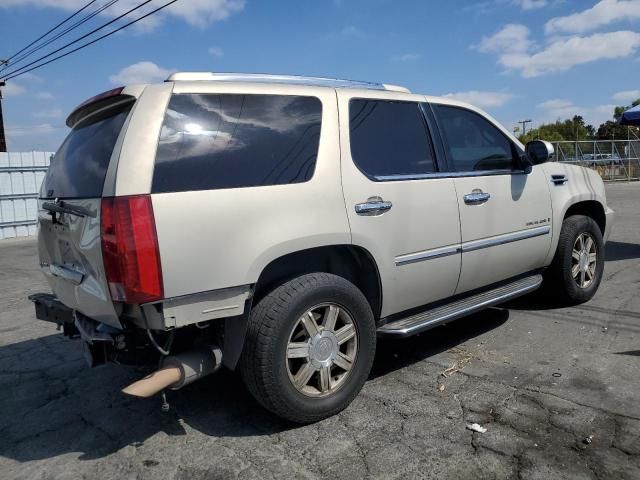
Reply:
x=216, y=51
x=195, y=12
x=482, y=99
x=141, y=72
x=30, y=77
x=22, y=131
x=563, y=54
x=12, y=89
x=562, y=109
x=407, y=57
x=531, y=4
x=45, y=96
x=352, y=31
x=626, y=96
x=53, y=113
x=511, y=38
x=602, y=13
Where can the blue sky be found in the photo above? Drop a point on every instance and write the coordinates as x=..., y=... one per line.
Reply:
x=539, y=59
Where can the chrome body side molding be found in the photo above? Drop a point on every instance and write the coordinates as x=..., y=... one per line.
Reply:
x=439, y=252
x=506, y=238
x=427, y=255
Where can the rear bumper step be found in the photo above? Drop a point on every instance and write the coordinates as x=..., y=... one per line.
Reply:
x=422, y=321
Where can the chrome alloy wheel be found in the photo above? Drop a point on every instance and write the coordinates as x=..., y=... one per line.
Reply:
x=584, y=260
x=322, y=349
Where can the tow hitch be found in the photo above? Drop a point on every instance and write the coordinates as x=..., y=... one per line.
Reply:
x=50, y=309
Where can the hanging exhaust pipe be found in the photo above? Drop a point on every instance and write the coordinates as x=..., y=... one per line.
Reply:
x=178, y=371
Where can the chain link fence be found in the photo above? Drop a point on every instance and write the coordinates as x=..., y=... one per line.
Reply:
x=614, y=160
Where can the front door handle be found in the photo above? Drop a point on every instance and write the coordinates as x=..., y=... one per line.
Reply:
x=373, y=207
x=476, y=197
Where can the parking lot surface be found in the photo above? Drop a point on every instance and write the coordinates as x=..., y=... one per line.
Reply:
x=556, y=388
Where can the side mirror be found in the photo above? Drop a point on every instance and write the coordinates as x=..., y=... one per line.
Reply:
x=540, y=151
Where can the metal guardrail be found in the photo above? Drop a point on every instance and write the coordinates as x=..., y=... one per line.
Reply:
x=614, y=160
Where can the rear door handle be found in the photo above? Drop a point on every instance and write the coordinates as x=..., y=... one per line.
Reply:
x=373, y=207
x=476, y=197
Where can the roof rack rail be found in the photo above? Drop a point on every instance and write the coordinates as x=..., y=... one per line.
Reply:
x=290, y=79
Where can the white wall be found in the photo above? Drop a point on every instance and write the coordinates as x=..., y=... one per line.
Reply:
x=21, y=174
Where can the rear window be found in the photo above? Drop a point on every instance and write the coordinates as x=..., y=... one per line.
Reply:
x=79, y=167
x=215, y=141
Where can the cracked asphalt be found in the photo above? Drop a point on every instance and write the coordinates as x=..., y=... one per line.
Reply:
x=556, y=389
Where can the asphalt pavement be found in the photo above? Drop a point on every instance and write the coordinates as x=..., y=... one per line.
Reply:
x=557, y=390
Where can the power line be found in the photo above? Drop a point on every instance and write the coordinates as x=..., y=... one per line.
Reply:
x=14, y=74
x=51, y=30
x=19, y=70
x=49, y=41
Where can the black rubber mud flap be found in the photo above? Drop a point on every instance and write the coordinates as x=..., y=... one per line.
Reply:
x=235, y=330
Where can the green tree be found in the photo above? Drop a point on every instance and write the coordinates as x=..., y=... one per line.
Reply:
x=573, y=129
x=611, y=129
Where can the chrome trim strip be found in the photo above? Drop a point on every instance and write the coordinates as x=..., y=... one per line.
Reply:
x=507, y=238
x=439, y=252
x=423, y=176
x=408, y=258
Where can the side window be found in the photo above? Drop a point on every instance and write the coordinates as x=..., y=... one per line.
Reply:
x=228, y=141
x=472, y=142
x=389, y=138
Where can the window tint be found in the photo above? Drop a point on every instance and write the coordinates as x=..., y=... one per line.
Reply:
x=473, y=143
x=226, y=141
x=79, y=167
x=389, y=138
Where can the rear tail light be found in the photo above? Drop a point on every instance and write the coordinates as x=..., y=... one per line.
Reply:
x=130, y=249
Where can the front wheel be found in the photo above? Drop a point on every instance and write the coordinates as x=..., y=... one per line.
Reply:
x=577, y=268
x=309, y=347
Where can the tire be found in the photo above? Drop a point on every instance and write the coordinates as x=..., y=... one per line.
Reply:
x=276, y=321
x=559, y=278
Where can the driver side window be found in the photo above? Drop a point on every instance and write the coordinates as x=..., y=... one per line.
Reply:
x=472, y=142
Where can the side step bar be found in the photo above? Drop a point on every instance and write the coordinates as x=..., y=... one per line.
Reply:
x=422, y=321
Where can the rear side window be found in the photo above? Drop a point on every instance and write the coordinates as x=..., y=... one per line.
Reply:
x=389, y=138
x=473, y=143
x=79, y=167
x=227, y=141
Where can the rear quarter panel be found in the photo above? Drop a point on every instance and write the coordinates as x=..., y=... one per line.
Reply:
x=215, y=239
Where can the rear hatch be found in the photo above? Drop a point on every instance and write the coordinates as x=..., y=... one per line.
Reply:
x=69, y=210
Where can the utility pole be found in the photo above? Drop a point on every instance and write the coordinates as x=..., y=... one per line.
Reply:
x=3, y=139
x=524, y=126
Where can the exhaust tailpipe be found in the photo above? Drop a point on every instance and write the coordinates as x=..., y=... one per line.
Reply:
x=178, y=371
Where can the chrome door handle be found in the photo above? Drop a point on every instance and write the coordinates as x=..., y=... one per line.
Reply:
x=373, y=207
x=477, y=197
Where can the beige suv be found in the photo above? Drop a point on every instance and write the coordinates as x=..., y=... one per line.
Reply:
x=278, y=225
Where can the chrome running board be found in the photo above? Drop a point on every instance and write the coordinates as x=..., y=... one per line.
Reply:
x=422, y=321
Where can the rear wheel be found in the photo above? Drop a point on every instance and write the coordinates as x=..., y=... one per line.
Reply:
x=577, y=268
x=309, y=347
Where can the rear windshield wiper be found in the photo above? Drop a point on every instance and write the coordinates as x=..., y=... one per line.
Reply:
x=62, y=207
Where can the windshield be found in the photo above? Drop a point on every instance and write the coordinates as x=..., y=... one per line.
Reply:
x=79, y=167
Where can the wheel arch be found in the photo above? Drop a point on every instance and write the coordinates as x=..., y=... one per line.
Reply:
x=589, y=208
x=352, y=262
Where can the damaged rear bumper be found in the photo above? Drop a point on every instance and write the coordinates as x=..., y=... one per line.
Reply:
x=101, y=343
